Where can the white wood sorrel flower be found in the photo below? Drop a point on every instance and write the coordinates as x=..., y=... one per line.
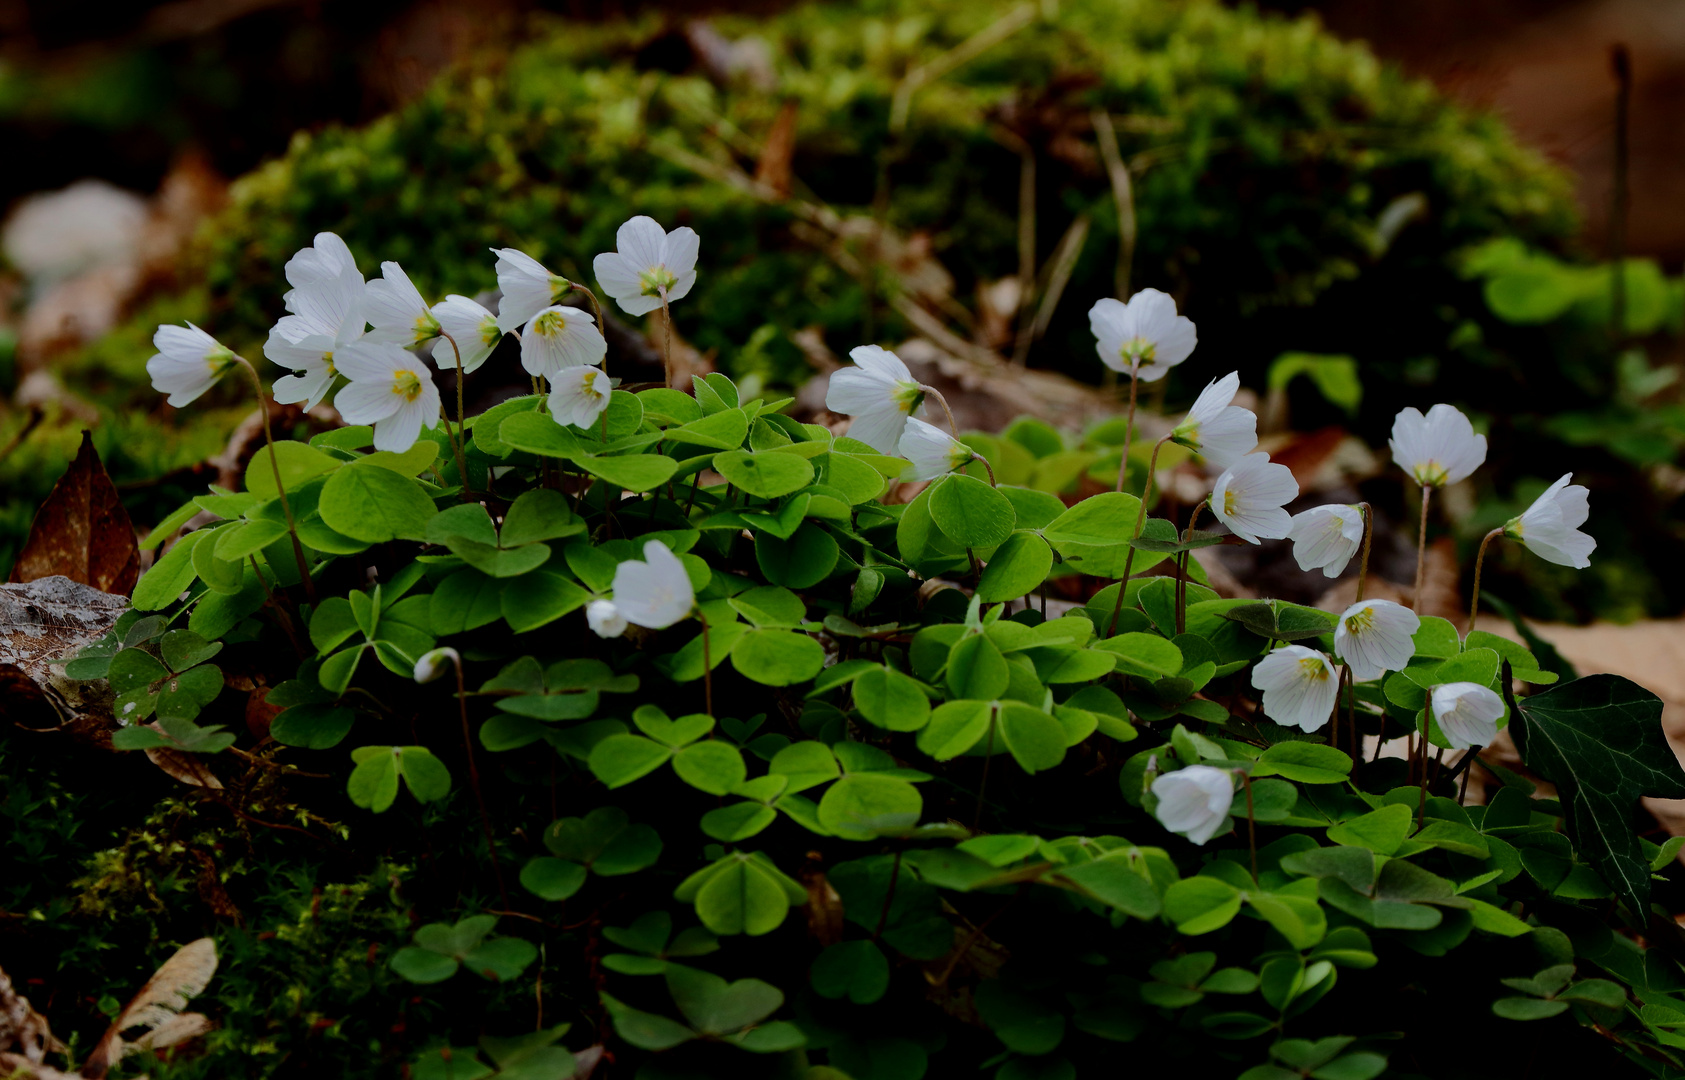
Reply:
x=391, y=389
x=1437, y=449
x=558, y=338
x=1144, y=338
x=189, y=362
x=474, y=329
x=1550, y=528
x=528, y=287
x=1326, y=537
x=1299, y=686
x=1194, y=801
x=1249, y=496
x=654, y=593
x=932, y=451
x=396, y=310
x=1216, y=430
x=650, y=265
x=879, y=393
x=605, y=619
x=579, y=394
x=1467, y=713
x=1374, y=637
x=327, y=304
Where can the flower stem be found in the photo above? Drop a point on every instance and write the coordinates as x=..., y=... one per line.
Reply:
x=983, y=782
x=707, y=667
x=940, y=400
x=1251, y=824
x=1479, y=564
x=1421, y=551
x=461, y=432
x=280, y=488
x=986, y=466
x=1182, y=576
x=1140, y=523
x=1129, y=429
x=474, y=779
x=667, y=349
x=596, y=308
x=1368, y=513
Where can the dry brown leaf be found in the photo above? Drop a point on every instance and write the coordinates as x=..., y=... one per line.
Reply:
x=23, y=1028
x=157, y=1008
x=18, y=1067
x=82, y=531
x=188, y=768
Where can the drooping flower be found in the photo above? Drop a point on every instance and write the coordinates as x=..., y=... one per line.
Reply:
x=327, y=304
x=1299, y=686
x=579, y=394
x=396, y=310
x=1194, y=801
x=1219, y=432
x=654, y=593
x=474, y=329
x=1249, y=496
x=189, y=362
x=605, y=619
x=1374, y=637
x=879, y=393
x=558, y=338
x=435, y=663
x=932, y=451
x=1326, y=537
x=1438, y=449
x=528, y=287
x=1467, y=713
x=649, y=265
x=391, y=389
x=1550, y=528
x=1144, y=337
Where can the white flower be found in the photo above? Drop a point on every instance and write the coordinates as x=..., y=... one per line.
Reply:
x=1144, y=337
x=1194, y=801
x=1373, y=637
x=327, y=306
x=1217, y=431
x=188, y=363
x=1326, y=537
x=879, y=393
x=655, y=593
x=579, y=394
x=434, y=664
x=561, y=337
x=325, y=260
x=1249, y=496
x=474, y=329
x=528, y=287
x=1467, y=714
x=932, y=452
x=650, y=264
x=391, y=389
x=396, y=310
x=604, y=618
x=1299, y=686
x=1438, y=449
x=1551, y=526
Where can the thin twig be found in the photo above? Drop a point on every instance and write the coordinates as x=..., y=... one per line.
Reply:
x=1122, y=194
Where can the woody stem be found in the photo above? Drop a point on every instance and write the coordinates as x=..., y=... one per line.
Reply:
x=1479, y=564
x=280, y=488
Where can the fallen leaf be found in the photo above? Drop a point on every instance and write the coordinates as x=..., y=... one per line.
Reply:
x=82, y=531
x=23, y=1028
x=188, y=768
x=773, y=169
x=157, y=1009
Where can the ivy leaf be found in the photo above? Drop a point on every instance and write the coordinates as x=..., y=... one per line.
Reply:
x=1599, y=740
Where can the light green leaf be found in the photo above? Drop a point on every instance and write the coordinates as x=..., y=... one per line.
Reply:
x=375, y=505
x=970, y=512
x=1017, y=567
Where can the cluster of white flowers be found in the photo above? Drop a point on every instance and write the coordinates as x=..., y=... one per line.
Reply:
x=373, y=332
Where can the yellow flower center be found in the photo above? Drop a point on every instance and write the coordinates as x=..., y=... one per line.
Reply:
x=549, y=324
x=1229, y=500
x=489, y=333
x=1362, y=621
x=588, y=383
x=1431, y=473
x=656, y=280
x=407, y=385
x=1313, y=668
x=426, y=327
x=907, y=397
x=327, y=358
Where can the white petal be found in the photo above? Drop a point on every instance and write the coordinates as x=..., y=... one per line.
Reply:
x=880, y=362
x=678, y=252
x=365, y=402
x=640, y=241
